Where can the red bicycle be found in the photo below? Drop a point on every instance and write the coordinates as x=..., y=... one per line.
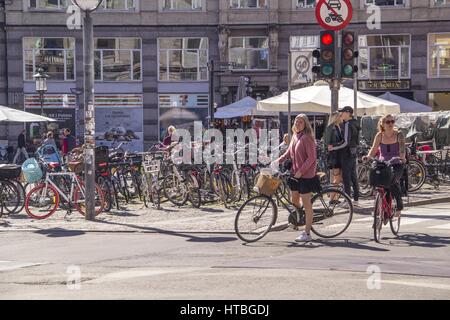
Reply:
x=385, y=210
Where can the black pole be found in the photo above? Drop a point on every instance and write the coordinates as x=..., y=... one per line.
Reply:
x=89, y=119
x=211, y=93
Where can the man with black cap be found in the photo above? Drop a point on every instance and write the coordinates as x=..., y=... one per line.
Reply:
x=351, y=129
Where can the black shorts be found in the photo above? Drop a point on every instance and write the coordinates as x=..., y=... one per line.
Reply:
x=334, y=160
x=304, y=185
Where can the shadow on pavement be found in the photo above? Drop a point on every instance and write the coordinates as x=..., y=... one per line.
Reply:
x=190, y=237
x=361, y=244
x=211, y=210
x=59, y=233
x=420, y=240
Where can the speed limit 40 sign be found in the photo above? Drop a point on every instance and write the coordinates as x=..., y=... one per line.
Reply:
x=334, y=14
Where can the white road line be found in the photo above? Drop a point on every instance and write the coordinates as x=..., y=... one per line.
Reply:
x=409, y=221
x=12, y=265
x=418, y=284
x=440, y=226
x=139, y=273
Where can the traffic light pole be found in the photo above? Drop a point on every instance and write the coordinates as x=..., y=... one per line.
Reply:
x=335, y=84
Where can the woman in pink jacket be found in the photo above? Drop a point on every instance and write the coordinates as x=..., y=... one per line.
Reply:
x=303, y=180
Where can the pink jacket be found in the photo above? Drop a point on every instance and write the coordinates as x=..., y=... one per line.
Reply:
x=302, y=151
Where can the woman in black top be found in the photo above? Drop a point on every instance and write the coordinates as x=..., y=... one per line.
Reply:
x=334, y=137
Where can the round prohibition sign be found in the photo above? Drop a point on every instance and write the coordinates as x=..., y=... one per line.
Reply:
x=302, y=64
x=334, y=14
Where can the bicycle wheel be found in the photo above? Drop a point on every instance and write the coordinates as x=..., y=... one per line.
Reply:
x=378, y=218
x=416, y=175
x=332, y=212
x=175, y=190
x=42, y=201
x=9, y=196
x=194, y=191
x=22, y=196
x=79, y=200
x=105, y=185
x=365, y=189
x=255, y=218
x=394, y=220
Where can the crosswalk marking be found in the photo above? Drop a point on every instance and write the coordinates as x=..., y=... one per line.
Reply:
x=440, y=226
x=12, y=265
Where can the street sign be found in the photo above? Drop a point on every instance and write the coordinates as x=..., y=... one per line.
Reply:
x=334, y=14
x=301, y=67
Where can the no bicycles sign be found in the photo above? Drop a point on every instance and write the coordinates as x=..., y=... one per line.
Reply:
x=334, y=14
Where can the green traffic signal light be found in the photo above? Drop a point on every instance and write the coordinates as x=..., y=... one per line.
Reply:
x=327, y=69
x=348, y=70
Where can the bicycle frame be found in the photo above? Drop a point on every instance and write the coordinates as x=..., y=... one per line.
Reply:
x=74, y=181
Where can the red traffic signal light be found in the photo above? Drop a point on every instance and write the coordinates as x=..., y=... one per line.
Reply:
x=327, y=39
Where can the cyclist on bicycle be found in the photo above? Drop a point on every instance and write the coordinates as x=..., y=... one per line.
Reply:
x=303, y=180
x=391, y=144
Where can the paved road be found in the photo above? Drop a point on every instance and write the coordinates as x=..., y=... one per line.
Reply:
x=170, y=265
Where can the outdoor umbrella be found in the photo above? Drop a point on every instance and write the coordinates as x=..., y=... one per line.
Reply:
x=317, y=98
x=406, y=105
x=13, y=115
x=243, y=107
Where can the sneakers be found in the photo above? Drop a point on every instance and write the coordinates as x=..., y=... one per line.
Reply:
x=303, y=237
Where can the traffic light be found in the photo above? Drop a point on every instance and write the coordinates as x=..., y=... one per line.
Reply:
x=327, y=59
x=348, y=55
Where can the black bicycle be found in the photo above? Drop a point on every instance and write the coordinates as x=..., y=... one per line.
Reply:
x=332, y=213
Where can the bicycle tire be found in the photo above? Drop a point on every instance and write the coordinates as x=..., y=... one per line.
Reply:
x=394, y=221
x=194, y=192
x=33, y=204
x=331, y=220
x=365, y=190
x=173, y=187
x=419, y=172
x=79, y=200
x=378, y=218
x=23, y=196
x=9, y=196
x=261, y=202
x=105, y=185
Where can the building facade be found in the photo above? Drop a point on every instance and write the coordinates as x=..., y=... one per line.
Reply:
x=151, y=57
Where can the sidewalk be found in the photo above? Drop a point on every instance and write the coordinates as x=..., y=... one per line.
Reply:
x=211, y=218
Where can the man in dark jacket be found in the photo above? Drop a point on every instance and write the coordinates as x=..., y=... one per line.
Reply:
x=21, y=146
x=69, y=142
x=351, y=129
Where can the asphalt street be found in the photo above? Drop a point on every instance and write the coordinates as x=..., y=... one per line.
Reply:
x=63, y=264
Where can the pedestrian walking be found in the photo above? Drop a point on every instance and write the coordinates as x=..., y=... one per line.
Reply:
x=69, y=143
x=21, y=146
x=348, y=149
x=303, y=181
x=333, y=137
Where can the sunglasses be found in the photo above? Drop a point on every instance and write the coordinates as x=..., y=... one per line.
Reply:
x=390, y=122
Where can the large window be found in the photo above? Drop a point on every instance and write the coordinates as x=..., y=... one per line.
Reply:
x=118, y=59
x=182, y=5
x=239, y=4
x=439, y=55
x=183, y=59
x=249, y=52
x=47, y=4
x=62, y=4
x=386, y=2
x=385, y=56
x=441, y=2
x=304, y=42
x=54, y=55
x=302, y=4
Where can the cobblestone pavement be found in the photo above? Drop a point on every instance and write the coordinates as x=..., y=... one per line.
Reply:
x=209, y=218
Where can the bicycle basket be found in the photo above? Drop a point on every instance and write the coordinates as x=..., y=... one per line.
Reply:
x=31, y=170
x=9, y=171
x=76, y=166
x=380, y=175
x=267, y=184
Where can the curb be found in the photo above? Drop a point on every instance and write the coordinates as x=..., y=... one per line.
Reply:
x=277, y=227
